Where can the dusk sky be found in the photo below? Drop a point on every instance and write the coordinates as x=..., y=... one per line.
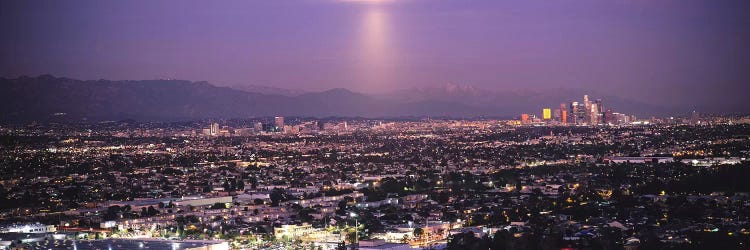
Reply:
x=676, y=51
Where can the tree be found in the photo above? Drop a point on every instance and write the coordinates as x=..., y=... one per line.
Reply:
x=241, y=185
x=227, y=187
x=341, y=208
x=218, y=205
x=277, y=196
x=112, y=213
x=462, y=241
x=304, y=214
x=152, y=211
x=501, y=240
x=418, y=232
x=405, y=239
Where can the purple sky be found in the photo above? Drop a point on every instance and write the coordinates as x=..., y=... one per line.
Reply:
x=676, y=52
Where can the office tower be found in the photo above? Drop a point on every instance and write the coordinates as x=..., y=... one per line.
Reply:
x=524, y=118
x=586, y=103
x=594, y=114
x=258, y=127
x=609, y=117
x=557, y=114
x=583, y=117
x=279, y=122
x=563, y=112
x=695, y=117
x=580, y=113
x=586, y=116
x=290, y=129
x=573, y=112
x=214, y=129
x=546, y=113
x=564, y=116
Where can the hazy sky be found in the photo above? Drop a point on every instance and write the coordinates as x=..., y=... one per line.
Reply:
x=681, y=50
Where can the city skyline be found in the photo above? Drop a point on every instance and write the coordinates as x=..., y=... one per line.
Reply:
x=57, y=99
x=374, y=124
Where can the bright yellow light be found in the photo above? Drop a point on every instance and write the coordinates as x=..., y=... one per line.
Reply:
x=547, y=114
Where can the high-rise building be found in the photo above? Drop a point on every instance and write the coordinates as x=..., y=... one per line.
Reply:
x=563, y=113
x=586, y=115
x=594, y=114
x=574, y=112
x=214, y=129
x=695, y=117
x=546, y=113
x=279, y=122
x=609, y=117
x=524, y=118
x=579, y=113
x=258, y=127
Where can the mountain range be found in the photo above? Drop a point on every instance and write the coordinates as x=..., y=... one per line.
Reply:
x=46, y=98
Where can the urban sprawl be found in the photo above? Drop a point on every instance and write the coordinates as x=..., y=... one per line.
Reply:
x=575, y=177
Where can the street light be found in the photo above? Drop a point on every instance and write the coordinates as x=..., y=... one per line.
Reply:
x=356, y=227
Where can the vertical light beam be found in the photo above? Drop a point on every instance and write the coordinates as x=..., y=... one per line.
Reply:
x=376, y=51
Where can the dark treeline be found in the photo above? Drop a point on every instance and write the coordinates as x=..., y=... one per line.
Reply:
x=727, y=178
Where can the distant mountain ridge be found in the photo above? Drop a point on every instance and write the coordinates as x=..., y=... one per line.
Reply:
x=47, y=97
x=268, y=90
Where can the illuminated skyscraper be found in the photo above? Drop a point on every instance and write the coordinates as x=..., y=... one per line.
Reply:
x=279, y=122
x=214, y=129
x=586, y=114
x=609, y=117
x=594, y=114
x=695, y=117
x=563, y=113
x=524, y=118
x=574, y=112
x=546, y=113
x=579, y=113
